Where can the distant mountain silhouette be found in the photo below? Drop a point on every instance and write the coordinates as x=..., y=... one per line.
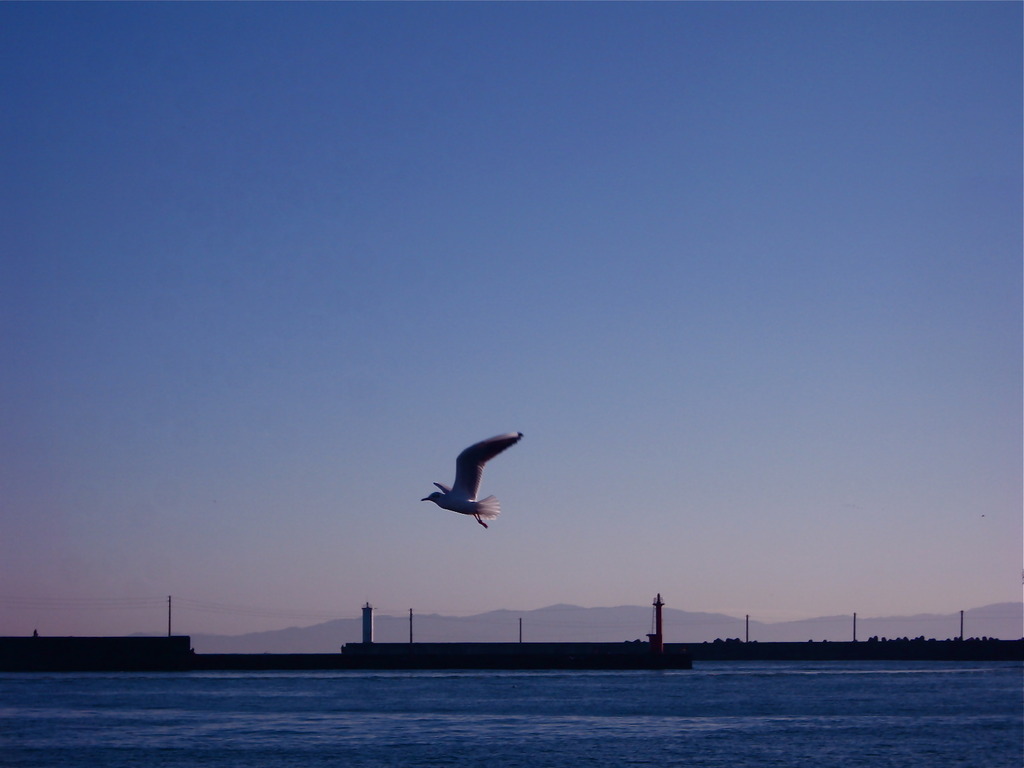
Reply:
x=566, y=623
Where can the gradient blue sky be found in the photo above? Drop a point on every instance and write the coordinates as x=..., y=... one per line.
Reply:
x=747, y=276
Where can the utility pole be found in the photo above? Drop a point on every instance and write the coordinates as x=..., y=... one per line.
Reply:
x=855, y=626
x=168, y=615
x=520, y=629
x=746, y=637
x=961, y=625
x=410, y=626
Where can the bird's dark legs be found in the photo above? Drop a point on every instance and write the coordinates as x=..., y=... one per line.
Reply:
x=480, y=521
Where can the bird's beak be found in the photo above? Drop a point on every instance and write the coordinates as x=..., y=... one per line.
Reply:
x=426, y=499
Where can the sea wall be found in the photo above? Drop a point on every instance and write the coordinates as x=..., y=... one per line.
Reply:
x=56, y=654
x=917, y=649
x=66, y=654
x=627, y=655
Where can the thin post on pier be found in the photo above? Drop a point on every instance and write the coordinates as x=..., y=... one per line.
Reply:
x=746, y=636
x=520, y=629
x=961, y=625
x=855, y=626
x=168, y=615
x=410, y=626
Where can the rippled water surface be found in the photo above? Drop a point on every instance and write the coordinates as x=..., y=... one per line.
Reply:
x=724, y=714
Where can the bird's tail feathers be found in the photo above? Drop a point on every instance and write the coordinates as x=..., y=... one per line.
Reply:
x=488, y=508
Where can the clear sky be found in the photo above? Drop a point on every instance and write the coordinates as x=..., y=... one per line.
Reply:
x=747, y=276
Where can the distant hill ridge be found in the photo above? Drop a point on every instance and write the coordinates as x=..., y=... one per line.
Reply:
x=568, y=623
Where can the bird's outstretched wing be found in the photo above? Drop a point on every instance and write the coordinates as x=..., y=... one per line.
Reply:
x=469, y=466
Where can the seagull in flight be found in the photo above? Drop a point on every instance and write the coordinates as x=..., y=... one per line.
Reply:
x=469, y=468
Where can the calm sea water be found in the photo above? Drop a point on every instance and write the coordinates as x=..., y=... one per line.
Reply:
x=725, y=714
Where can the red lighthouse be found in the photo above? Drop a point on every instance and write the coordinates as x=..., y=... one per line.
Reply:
x=657, y=640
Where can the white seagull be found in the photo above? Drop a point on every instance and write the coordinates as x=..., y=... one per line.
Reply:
x=469, y=468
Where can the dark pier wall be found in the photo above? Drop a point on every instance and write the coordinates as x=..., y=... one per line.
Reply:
x=85, y=654
x=868, y=650
x=57, y=654
x=268, y=661
x=513, y=656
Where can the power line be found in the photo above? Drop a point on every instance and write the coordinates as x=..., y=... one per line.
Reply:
x=81, y=603
x=148, y=603
x=206, y=606
x=555, y=618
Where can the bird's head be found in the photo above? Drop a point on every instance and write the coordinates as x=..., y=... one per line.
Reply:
x=433, y=497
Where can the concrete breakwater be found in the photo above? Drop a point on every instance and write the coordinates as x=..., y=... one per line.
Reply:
x=87, y=654
x=55, y=654
x=918, y=649
x=20, y=654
